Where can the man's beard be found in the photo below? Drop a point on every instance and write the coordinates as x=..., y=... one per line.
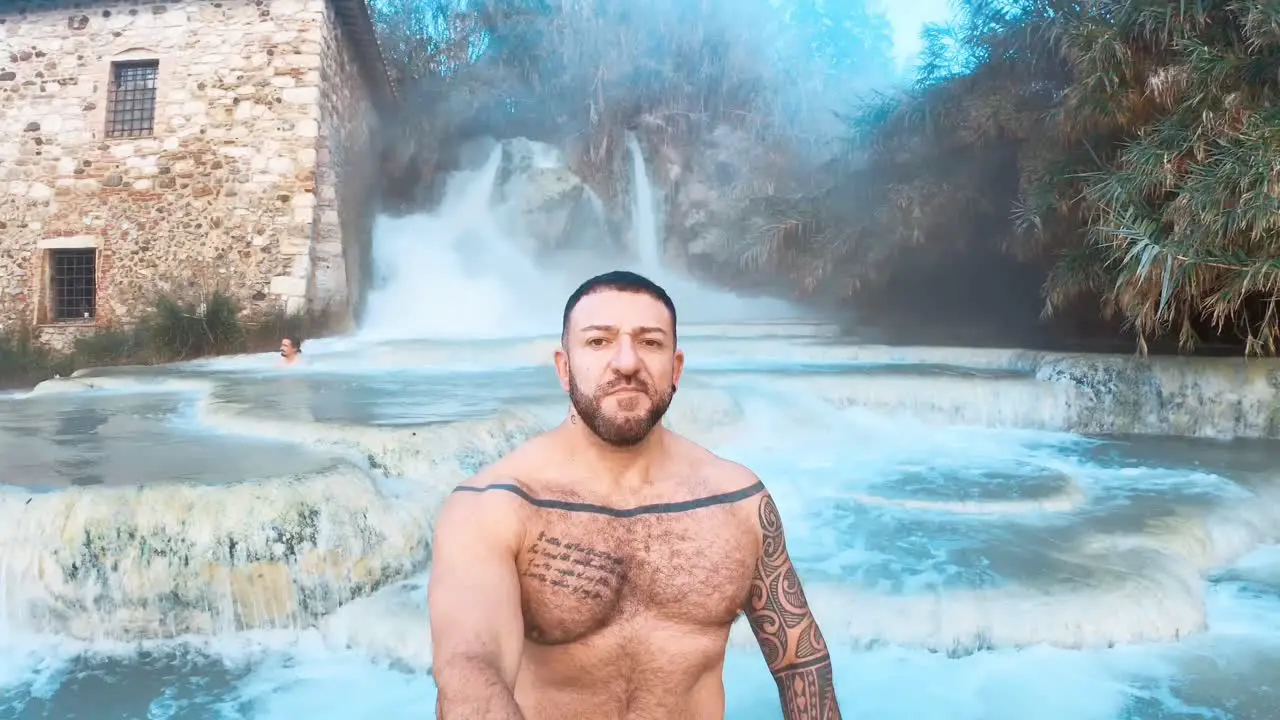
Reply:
x=619, y=431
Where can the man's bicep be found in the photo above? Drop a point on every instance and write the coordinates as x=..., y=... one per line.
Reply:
x=777, y=608
x=473, y=594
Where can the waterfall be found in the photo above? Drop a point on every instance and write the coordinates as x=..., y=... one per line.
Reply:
x=644, y=221
x=461, y=270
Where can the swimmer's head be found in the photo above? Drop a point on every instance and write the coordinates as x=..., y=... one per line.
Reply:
x=618, y=358
x=290, y=347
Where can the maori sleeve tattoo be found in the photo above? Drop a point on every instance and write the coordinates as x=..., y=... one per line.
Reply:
x=788, y=634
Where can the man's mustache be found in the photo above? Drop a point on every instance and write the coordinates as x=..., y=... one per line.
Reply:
x=621, y=383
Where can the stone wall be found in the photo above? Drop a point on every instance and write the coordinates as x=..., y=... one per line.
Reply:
x=237, y=187
x=346, y=179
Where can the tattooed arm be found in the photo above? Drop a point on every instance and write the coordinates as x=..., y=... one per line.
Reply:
x=787, y=632
x=473, y=596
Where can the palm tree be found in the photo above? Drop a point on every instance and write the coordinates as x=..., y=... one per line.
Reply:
x=1182, y=224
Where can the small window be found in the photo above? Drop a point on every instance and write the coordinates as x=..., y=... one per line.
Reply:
x=74, y=285
x=131, y=99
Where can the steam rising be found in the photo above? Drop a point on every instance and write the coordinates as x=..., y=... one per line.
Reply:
x=578, y=73
x=471, y=269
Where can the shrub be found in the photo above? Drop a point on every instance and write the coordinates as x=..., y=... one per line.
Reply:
x=23, y=361
x=177, y=330
x=172, y=330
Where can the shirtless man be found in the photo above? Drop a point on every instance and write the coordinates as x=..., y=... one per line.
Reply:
x=290, y=351
x=594, y=572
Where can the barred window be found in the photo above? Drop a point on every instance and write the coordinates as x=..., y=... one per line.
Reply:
x=131, y=99
x=75, y=284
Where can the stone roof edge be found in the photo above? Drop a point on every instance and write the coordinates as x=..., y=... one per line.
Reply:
x=358, y=24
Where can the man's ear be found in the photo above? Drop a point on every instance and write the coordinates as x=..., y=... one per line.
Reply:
x=562, y=368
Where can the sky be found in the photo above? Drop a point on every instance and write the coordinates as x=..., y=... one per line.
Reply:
x=908, y=17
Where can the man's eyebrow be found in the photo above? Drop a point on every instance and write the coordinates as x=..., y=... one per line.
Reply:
x=642, y=330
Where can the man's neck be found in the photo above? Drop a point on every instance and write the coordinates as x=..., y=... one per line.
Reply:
x=622, y=469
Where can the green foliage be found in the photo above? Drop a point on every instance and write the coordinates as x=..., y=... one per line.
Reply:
x=1135, y=142
x=183, y=330
x=113, y=346
x=22, y=361
x=172, y=330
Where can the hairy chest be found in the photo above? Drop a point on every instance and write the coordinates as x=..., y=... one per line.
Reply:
x=580, y=574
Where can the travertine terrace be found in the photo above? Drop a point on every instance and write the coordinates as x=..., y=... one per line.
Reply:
x=180, y=146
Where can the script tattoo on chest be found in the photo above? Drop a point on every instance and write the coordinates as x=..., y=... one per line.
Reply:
x=586, y=572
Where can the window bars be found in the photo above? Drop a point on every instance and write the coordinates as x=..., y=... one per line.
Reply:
x=131, y=99
x=74, y=285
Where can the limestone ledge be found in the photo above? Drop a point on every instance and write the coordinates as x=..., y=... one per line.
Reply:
x=1186, y=396
x=1085, y=393
x=168, y=560
x=435, y=456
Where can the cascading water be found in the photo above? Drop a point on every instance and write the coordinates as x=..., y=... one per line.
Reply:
x=696, y=302
x=465, y=270
x=223, y=539
x=456, y=272
x=648, y=243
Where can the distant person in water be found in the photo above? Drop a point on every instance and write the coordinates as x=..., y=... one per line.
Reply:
x=290, y=351
x=596, y=570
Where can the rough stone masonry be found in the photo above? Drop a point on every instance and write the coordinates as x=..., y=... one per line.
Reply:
x=250, y=170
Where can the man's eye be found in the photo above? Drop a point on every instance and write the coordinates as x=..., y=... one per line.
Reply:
x=596, y=342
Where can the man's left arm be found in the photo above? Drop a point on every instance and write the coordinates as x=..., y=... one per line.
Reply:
x=784, y=626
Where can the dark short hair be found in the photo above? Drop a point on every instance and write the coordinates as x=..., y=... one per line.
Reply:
x=619, y=281
x=294, y=340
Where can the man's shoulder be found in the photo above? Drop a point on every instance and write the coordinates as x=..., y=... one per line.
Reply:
x=737, y=485
x=500, y=482
x=723, y=474
x=483, y=509
x=505, y=485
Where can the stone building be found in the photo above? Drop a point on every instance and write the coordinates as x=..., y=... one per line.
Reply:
x=183, y=146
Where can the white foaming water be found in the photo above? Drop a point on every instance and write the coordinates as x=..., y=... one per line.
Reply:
x=696, y=303
x=644, y=215
x=464, y=270
x=456, y=272
x=968, y=557
x=1009, y=573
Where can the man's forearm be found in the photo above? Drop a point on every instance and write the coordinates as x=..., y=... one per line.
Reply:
x=789, y=636
x=807, y=689
x=474, y=691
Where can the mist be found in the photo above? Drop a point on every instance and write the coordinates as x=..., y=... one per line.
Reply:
x=743, y=92
x=659, y=130
x=788, y=155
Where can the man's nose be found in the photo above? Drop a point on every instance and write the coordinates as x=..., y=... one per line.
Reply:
x=625, y=359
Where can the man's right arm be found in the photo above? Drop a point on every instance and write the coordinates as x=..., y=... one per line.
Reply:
x=473, y=596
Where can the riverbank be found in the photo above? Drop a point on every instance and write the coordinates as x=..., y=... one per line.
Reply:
x=171, y=330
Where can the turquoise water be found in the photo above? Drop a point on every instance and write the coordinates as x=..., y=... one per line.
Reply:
x=968, y=558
